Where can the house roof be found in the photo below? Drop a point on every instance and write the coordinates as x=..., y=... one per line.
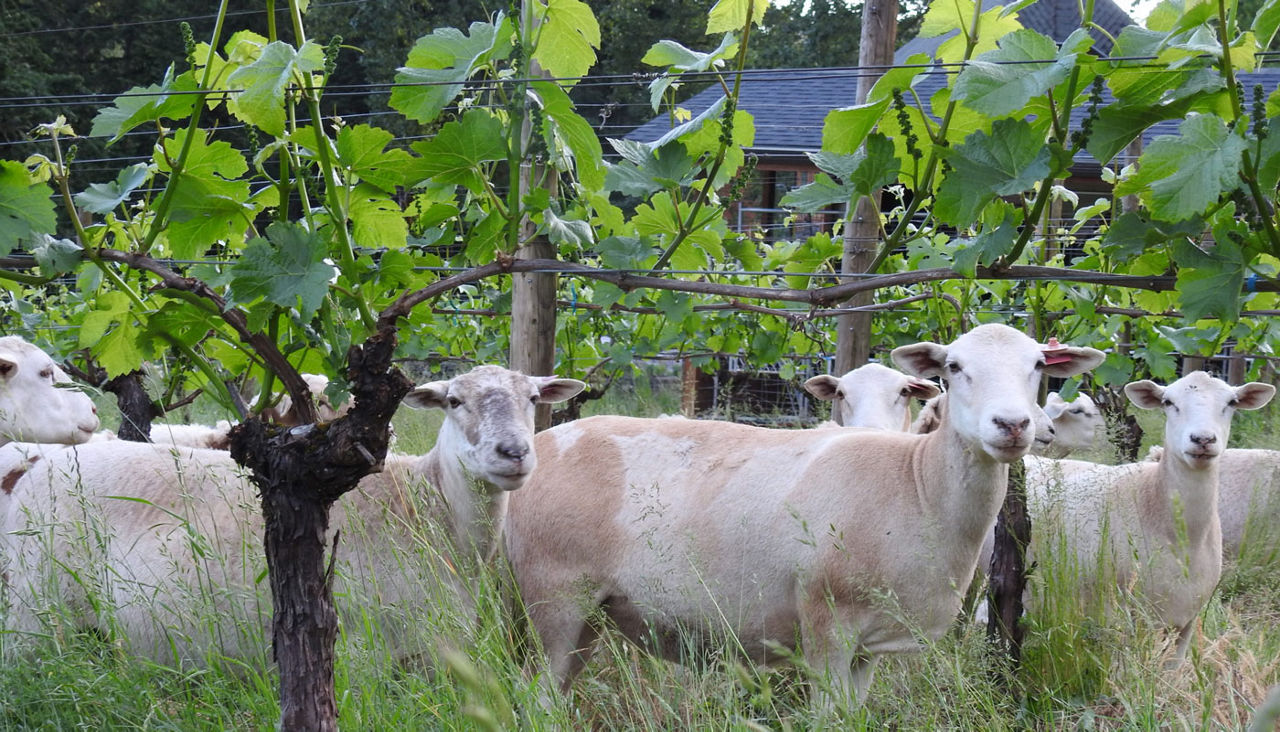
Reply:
x=789, y=106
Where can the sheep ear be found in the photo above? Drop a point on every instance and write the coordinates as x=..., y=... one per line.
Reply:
x=429, y=395
x=1073, y=360
x=552, y=389
x=1145, y=394
x=1254, y=395
x=1053, y=405
x=823, y=387
x=923, y=359
x=921, y=389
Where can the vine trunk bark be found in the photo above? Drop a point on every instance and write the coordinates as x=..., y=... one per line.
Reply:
x=301, y=472
x=1007, y=575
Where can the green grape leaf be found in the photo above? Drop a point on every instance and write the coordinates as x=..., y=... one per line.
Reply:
x=728, y=16
x=288, y=268
x=209, y=203
x=1010, y=160
x=100, y=198
x=1181, y=176
x=441, y=62
x=377, y=220
x=568, y=37
x=57, y=256
x=570, y=135
x=261, y=103
x=361, y=151
x=456, y=154
x=147, y=104
x=26, y=207
x=1001, y=82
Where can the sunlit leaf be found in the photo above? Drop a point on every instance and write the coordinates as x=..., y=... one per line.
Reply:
x=439, y=63
x=261, y=103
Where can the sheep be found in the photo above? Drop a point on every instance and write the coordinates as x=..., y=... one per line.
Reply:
x=1159, y=520
x=1061, y=427
x=851, y=540
x=217, y=437
x=871, y=396
x=1076, y=425
x=1248, y=500
x=169, y=538
x=36, y=404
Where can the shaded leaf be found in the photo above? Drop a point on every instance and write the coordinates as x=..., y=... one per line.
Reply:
x=287, y=268
x=1010, y=160
x=26, y=207
x=101, y=198
x=57, y=256
x=456, y=153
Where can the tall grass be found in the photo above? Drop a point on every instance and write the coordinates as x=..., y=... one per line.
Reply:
x=1084, y=668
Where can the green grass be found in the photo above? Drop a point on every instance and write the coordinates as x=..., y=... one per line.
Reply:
x=1081, y=670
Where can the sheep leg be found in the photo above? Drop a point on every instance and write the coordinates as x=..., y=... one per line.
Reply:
x=1184, y=641
x=567, y=636
x=847, y=671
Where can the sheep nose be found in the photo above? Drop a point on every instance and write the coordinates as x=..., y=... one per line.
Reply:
x=513, y=450
x=1010, y=426
x=1204, y=439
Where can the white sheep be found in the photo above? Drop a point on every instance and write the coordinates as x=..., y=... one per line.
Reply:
x=1248, y=501
x=164, y=543
x=1076, y=425
x=1152, y=526
x=930, y=418
x=871, y=395
x=217, y=437
x=36, y=403
x=854, y=542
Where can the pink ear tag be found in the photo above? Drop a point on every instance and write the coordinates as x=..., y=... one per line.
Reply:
x=1054, y=352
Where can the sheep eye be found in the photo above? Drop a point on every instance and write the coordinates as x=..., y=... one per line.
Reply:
x=1039, y=365
x=46, y=373
x=455, y=402
x=1077, y=411
x=906, y=391
x=1234, y=402
x=839, y=394
x=1166, y=402
x=533, y=399
x=953, y=367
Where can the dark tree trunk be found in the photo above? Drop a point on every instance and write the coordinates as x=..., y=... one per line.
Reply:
x=136, y=408
x=1123, y=429
x=300, y=473
x=1008, y=572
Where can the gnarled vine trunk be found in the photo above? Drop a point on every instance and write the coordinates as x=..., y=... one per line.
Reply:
x=1007, y=575
x=301, y=472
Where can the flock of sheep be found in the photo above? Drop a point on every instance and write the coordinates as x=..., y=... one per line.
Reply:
x=843, y=542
